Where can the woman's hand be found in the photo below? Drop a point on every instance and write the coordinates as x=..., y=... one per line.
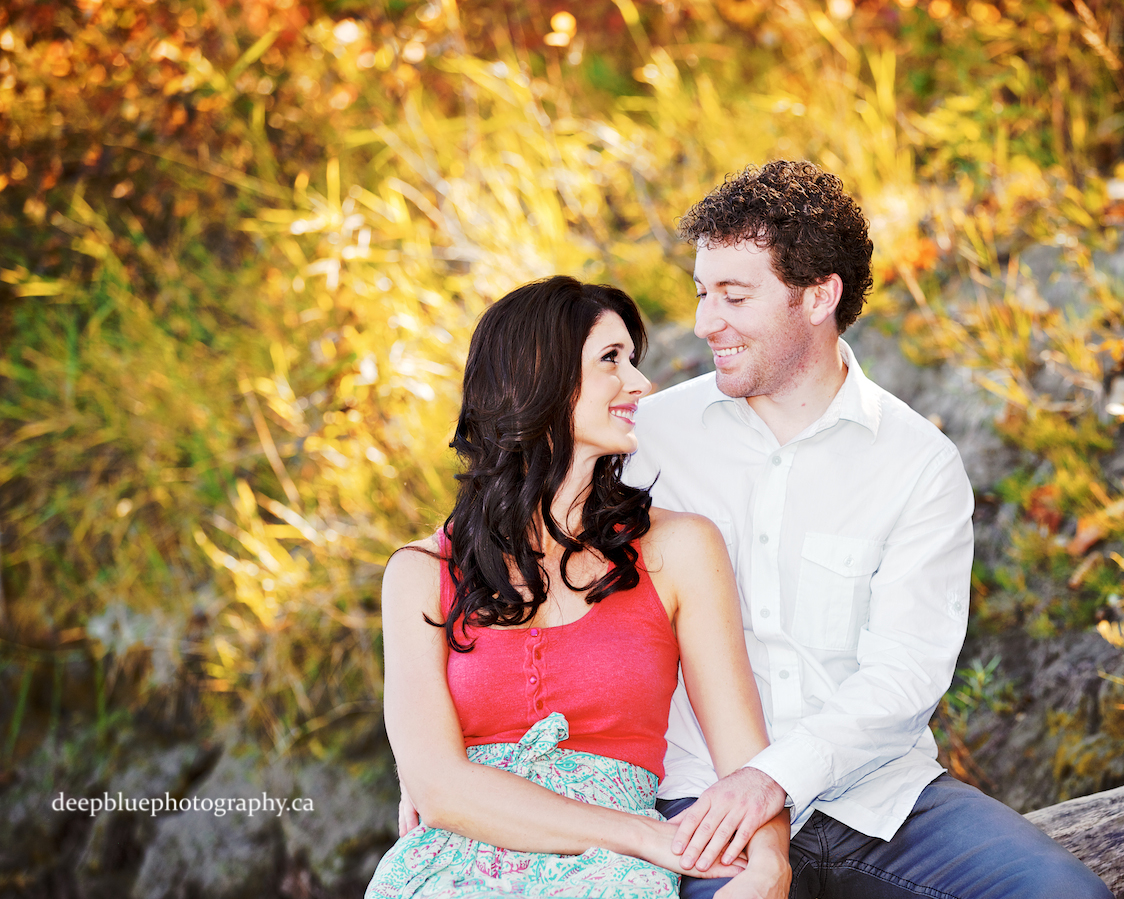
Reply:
x=407, y=815
x=656, y=848
x=767, y=873
x=758, y=883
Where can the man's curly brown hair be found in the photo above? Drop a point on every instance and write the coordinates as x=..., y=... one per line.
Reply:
x=802, y=214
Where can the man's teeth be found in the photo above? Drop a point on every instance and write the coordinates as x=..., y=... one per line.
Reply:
x=729, y=351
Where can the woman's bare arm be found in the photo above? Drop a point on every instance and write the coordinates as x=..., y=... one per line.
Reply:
x=453, y=793
x=694, y=575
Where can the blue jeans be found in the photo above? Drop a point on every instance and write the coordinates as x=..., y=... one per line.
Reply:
x=957, y=843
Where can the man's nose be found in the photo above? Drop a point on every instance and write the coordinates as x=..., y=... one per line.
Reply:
x=707, y=320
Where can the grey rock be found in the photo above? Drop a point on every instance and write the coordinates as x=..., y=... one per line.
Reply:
x=1057, y=283
x=1041, y=260
x=1110, y=264
x=1092, y=828
x=1059, y=732
x=235, y=855
x=35, y=835
x=117, y=840
x=355, y=818
x=674, y=354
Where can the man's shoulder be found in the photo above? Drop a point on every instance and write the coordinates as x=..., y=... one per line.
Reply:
x=903, y=428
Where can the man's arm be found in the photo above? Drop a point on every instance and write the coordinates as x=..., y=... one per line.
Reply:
x=907, y=652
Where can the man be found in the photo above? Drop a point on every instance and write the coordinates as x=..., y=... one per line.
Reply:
x=848, y=520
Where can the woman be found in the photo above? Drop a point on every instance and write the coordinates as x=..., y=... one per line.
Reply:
x=532, y=644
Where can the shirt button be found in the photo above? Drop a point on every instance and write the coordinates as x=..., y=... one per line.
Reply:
x=764, y=613
x=534, y=632
x=534, y=680
x=849, y=561
x=784, y=675
x=764, y=538
x=538, y=705
x=776, y=460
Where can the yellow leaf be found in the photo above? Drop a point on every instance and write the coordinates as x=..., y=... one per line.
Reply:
x=628, y=10
x=1113, y=631
x=41, y=289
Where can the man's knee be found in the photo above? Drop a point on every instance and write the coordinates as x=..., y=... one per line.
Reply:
x=1058, y=874
x=1003, y=853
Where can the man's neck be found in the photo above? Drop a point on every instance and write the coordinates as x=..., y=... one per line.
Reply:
x=788, y=413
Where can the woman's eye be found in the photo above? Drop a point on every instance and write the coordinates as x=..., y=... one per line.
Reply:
x=610, y=356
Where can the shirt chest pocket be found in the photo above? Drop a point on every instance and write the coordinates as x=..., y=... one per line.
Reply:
x=833, y=590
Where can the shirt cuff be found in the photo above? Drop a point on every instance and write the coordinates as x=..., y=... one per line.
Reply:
x=799, y=770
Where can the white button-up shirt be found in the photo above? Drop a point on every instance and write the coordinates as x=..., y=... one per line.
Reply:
x=852, y=549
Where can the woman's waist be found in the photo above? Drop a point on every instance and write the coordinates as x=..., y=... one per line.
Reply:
x=577, y=767
x=644, y=750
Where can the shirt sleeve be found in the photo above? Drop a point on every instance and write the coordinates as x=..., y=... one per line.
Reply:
x=906, y=653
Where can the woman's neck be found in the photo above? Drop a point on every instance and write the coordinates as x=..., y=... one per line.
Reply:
x=569, y=502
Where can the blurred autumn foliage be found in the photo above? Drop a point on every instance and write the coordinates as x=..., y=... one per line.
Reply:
x=242, y=246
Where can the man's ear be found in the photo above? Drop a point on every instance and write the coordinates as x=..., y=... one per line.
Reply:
x=823, y=299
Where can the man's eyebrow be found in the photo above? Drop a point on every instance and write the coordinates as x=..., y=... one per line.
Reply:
x=730, y=282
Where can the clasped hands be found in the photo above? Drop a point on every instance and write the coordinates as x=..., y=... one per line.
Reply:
x=724, y=828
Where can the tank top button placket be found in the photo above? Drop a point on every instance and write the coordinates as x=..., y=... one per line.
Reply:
x=532, y=669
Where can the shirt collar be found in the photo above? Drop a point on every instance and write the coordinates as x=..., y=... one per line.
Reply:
x=858, y=400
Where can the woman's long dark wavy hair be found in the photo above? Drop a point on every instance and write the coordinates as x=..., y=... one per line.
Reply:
x=515, y=439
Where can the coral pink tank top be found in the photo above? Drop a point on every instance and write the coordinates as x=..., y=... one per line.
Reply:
x=611, y=673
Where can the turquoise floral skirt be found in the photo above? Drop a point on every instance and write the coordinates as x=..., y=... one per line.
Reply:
x=435, y=864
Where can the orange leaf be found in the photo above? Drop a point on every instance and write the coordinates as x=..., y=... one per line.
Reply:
x=1089, y=531
x=1043, y=507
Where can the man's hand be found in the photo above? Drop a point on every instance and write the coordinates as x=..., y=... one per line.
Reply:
x=725, y=818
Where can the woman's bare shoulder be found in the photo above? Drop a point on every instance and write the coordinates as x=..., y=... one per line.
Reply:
x=677, y=539
x=671, y=527
x=415, y=566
